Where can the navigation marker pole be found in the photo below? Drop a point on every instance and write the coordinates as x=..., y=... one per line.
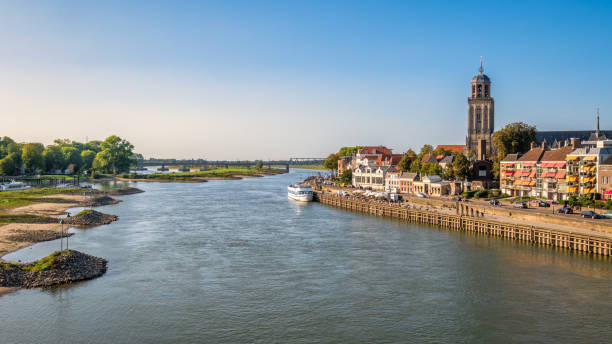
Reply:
x=62, y=236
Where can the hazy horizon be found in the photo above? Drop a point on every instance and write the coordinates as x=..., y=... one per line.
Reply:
x=274, y=80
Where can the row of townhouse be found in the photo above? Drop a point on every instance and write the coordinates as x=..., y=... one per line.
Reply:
x=391, y=180
x=578, y=169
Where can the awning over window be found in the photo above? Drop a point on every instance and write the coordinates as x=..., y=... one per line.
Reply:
x=570, y=158
x=572, y=178
x=529, y=164
x=609, y=192
x=560, y=175
x=549, y=175
x=590, y=158
x=560, y=164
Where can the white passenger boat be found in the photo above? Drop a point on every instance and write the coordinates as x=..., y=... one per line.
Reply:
x=300, y=192
x=13, y=185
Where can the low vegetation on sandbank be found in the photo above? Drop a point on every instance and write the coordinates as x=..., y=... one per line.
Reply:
x=200, y=176
x=20, y=198
x=310, y=167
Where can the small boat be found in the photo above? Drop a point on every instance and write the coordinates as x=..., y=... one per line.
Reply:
x=300, y=192
x=13, y=185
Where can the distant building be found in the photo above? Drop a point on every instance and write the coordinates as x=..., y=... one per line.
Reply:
x=407, y=180
x=370, y=177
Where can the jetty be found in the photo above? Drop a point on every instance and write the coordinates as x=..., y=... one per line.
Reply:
x=468, y=219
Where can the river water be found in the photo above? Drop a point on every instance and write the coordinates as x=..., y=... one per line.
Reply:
x=237, y=262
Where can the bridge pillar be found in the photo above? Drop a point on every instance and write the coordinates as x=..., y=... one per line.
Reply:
x=287, y=168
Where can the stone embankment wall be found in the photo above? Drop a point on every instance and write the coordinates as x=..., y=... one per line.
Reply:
x=468, y=223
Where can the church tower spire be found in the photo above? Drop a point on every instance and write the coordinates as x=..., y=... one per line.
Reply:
x=481, y=70
x=597, y=129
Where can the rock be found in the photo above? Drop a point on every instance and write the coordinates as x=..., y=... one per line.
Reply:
x=125, y=191
x=91, y=218
x=67, y=267
x=100, y=201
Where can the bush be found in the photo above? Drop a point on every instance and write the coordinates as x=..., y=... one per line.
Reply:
x=468, y=194
x=482, y=194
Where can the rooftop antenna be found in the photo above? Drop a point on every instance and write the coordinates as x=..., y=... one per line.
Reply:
x=481, y=70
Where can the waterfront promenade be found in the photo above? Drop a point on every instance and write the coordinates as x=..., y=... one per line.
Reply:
x=470, y=219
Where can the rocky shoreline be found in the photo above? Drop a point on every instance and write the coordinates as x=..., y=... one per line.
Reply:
x=63, y=267
x=91, y=218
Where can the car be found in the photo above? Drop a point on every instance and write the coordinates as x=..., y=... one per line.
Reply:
x=565, y=210
x=521, y=205
x=543, y=204
x=421, y=195
x=590, y=214
x=607, y=215
x=457, y=198
x=494, y=202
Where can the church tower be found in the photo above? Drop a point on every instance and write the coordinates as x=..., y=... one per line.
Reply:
x=481, y=118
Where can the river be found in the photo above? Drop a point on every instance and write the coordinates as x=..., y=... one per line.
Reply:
x=237, y=262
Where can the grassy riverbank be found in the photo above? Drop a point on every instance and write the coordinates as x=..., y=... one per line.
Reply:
x=310, y=167
x=31, y=216
x=202, y=176
x=20, y=198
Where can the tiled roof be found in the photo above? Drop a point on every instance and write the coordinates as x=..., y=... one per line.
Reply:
x=533, y=155
x=556, y=154
x=453, y=148
x=375, y=150
x=512, y=157
x=409, y=175
x=447, y=159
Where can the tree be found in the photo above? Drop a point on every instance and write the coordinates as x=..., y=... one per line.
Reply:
x=32, y=157
x=514, y=138
x=430, y=169
x=259, y=164
x=72, y=156
x=348, y=151
x=461, y=165
x=415, y=166
x=404, y=164
x=426, y=149
x=346, y=177
x=87, y=158
x=448, y=173
x=410, y=153
x=331, y=162
x=8, y=165
x=116, y=155
x=53, y=157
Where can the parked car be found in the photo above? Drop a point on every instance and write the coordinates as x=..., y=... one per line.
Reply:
x=494, y=202
x=590, y=214
x=607, y=215
x=565, y=210
x=543, y=204
x=521, y=205
x=457, y=198
x=421, y=195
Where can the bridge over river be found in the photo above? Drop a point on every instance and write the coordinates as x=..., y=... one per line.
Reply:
x=206, y=164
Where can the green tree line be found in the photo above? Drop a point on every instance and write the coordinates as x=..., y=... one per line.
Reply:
x=113, y=155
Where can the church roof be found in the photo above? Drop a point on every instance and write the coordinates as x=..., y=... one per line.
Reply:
x=583, y=135
x=481, y=78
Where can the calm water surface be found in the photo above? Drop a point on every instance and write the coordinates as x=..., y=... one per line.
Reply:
x=236, y=262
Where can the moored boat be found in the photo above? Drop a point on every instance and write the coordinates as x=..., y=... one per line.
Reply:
x=300, y=192
x=13, y=185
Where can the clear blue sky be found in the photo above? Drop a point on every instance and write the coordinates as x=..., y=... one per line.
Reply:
x=274, y=79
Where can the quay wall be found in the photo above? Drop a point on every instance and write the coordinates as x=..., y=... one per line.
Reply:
x=468, y=223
